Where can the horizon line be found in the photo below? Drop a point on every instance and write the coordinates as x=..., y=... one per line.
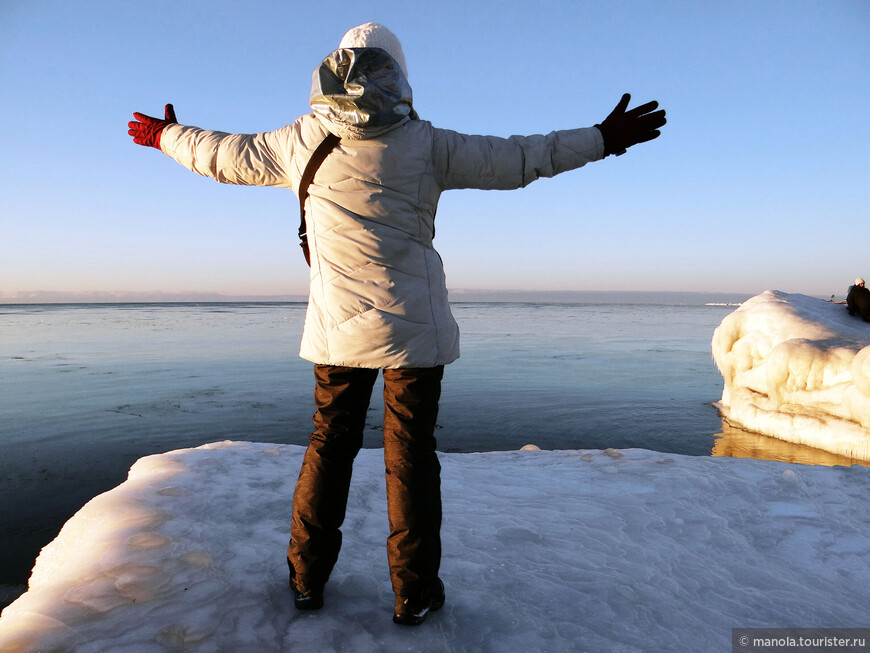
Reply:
x=456, y=294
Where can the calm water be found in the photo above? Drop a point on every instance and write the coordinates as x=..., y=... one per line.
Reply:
x=85, y=390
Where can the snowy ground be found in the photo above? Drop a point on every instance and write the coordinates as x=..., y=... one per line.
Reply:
x=797, y=368
x=543, y=551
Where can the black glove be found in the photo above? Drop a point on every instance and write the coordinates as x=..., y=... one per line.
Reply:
x=622, y=129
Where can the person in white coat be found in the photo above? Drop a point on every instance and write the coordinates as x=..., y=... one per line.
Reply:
x=378, y=297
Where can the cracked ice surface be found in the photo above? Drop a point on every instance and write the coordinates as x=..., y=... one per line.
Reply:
x=543, y=550
x=797, y=368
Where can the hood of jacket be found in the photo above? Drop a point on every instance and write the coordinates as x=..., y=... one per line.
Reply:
x=360, y=93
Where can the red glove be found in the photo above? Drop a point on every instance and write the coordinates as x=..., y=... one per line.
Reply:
x=146, y=130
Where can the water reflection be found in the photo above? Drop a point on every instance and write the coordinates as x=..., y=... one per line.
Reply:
x=739, y=443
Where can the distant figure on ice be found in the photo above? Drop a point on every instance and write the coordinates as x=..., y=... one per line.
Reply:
x=378, y=298
x=858, y=300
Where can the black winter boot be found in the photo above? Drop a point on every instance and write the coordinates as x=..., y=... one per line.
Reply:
x=413, y=611
x=306, y=600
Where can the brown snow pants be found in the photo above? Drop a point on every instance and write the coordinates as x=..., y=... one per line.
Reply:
x=413, y=475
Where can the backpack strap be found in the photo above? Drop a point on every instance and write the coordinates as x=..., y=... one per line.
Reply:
x=325, y=147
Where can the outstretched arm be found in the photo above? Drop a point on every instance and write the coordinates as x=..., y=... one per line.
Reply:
x=248, y=159
x=495, y=163
x=490, y=162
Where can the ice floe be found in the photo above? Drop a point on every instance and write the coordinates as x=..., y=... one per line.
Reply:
x=797, y=368
x=626, y=550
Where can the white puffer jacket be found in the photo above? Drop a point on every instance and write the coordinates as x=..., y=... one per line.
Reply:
x=378, y=297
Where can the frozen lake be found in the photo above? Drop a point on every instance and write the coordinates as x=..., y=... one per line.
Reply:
x=89, y=389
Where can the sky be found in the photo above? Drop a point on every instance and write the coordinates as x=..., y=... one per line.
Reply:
x=759, y=180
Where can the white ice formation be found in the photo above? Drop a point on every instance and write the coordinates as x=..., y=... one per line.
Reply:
x=797, y=368
x=543, y=551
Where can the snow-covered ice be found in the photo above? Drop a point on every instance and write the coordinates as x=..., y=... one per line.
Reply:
x=797, y=368
x=626, y=550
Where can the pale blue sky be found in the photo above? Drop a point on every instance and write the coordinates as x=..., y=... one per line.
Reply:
x=761, y=178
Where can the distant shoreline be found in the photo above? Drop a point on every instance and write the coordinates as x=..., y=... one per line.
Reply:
x=456, y=296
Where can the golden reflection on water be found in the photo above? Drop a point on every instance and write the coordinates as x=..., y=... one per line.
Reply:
x=738, y=443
